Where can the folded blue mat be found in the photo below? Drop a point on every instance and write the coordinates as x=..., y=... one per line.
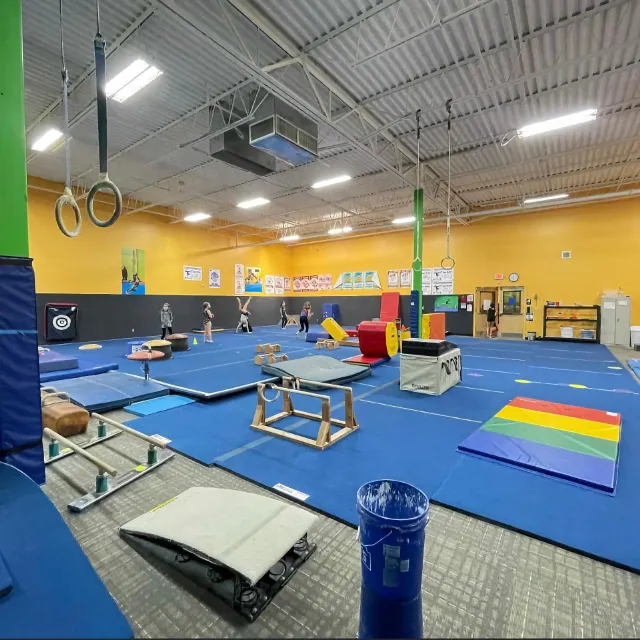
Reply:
x=149, y=407
x=111, y=390
x=85, y=368
x=634, y=365
x=53, y=361
x=56, y=592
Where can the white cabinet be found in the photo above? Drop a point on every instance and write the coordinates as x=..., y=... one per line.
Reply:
x=615, y=327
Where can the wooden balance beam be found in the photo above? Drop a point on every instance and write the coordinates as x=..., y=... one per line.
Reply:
x=324, y=438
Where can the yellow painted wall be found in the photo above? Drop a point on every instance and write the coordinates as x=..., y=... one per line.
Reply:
x=91, y=263
x=604, y=239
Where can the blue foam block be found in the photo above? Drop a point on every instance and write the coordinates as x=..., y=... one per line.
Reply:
x=85, y=368
x=51, y=574
x=52, y=361
x=108, y=391
x=634, y=365
x=149, y=407
x=317, y=332
x=561, y=463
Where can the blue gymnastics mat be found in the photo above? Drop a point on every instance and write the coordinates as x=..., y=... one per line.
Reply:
x=51, y=361
x=149, y=407
x=634, y=365
x=85, y=368
x=50, y=573
x=108, y=391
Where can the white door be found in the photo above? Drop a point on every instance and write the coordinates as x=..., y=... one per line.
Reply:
x=608, y=320
x=623, y=322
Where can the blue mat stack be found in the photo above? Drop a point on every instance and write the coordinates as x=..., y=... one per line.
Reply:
x=20, y=417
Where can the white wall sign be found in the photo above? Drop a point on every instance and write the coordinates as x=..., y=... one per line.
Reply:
x=214, y=278
x=192, y=273
x=238, y=279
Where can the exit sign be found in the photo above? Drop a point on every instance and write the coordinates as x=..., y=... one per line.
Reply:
x=498, y=276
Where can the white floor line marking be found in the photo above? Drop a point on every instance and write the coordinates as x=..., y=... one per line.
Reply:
x=512, y=373
x=466, y=355
x=214, y=366
x=601, y=373
x=576, y=359
x=429, y=413
x=462, y=386
x=362, y=384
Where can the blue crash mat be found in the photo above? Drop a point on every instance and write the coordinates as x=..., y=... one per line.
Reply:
x=56, y=592
x=85, y=368
x=634, y=365
x=51, y=361
x=107, y=391
x=149, y=407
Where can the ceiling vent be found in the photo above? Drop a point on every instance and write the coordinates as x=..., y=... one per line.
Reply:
x=566, y=255
x=284, y=133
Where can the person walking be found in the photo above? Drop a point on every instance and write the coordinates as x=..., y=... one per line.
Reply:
x=305, y=315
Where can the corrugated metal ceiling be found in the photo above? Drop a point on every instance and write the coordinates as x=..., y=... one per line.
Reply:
x=503, y=63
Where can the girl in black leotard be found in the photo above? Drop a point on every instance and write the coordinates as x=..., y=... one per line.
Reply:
x=207, y=317
x=283, y=314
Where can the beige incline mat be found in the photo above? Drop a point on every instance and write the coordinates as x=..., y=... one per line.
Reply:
x=244, y=531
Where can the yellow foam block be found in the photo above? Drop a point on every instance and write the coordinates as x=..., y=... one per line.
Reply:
x=426, y=326
x=562, y=423
x=334, y=329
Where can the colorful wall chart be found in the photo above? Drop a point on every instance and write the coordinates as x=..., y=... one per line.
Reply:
x=253, y=280
x=133, y=272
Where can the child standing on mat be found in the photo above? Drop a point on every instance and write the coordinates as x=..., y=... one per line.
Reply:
x=207, y=317
x=491, y=320
x=283, y=315
x=305, y=314
x=244, y=323
x=166, y=319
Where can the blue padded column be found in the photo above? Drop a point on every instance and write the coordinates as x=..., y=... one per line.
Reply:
x=20, y=413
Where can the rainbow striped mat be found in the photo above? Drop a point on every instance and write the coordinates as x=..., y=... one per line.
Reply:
x=572, y=443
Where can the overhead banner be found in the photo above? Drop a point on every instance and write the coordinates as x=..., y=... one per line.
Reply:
x=133, y=272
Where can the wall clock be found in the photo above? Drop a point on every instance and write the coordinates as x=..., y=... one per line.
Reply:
x=513, y=277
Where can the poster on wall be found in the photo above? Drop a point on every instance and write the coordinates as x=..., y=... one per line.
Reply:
x=442, y=275
x=297, y=283
x=270, y=285
x=446, y=303
x=313, y=283
x=192, y=273
x=279, y=285
x=393, y=279
x=405, y=278
x=324, y=282
x=253, y=280
x=287, y=283
x=344, y=281
x=238, y=279
x=133, y=272
x=358, y=280
x=439, y=288
x=371, y=280
x=214, y=278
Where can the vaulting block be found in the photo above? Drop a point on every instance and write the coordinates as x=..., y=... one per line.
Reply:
x=563, y=441
x=434, y=326
x=334, y=329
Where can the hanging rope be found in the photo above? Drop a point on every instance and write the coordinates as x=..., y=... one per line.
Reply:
x=103, y=184
x=448, y=259
x=66, y=199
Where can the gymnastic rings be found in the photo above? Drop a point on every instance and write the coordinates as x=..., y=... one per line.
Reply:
x=450, y=266
x=104, y=184
x=262, y=390
x=67, y=199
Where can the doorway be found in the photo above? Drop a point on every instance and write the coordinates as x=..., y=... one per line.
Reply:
x=511, y=304
x=485, y=297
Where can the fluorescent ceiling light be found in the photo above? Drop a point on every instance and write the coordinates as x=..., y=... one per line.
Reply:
x=196, y=217
x=249, y=204
x=136, y=76
x=45, y=141
x=330, y=181
x=557, y=196
x=337, y=230
x=557, y=123
x=404, y=220
x=135, y=85
x=292, y=238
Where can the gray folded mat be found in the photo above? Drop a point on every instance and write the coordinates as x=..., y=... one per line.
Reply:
x=318, y=369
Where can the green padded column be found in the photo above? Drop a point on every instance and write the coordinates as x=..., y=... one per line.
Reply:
x=418, y=212
x=14, y=229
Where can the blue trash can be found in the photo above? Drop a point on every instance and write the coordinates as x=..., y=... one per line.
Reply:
x=134, y=345
x=393, y=517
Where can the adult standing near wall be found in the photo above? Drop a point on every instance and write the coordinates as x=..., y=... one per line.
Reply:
x=283, y=315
